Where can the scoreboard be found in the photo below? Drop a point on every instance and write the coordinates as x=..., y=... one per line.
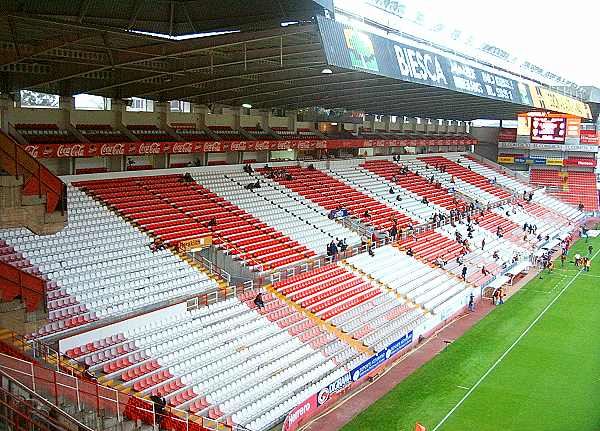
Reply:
x=548, y=129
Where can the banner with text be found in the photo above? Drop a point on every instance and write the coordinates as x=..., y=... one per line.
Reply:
x=149, y=148
x=304, y=409
x=350, y=48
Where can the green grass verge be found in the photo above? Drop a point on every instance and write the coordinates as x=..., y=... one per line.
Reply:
x=549, y=381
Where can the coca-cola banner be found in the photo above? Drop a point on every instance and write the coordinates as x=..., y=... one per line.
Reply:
x=145, y=148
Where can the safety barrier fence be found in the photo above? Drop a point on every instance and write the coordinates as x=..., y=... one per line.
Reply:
x=93, y=403
x=23, y=409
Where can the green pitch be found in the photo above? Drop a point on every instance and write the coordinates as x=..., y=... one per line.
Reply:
x=548, y=381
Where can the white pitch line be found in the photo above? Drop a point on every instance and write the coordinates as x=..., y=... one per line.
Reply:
x=462, y=387
x=512, y=346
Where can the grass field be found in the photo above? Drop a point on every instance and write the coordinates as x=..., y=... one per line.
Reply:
x=549, y=380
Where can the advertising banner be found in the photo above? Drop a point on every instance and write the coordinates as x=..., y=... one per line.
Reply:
x=351, y=48
x=149, y=148
x=588, y=163
x=302, y=410
x=588, y=137
x=506, y=159
x=554, y=162
x=544, y=98
x=321, y=398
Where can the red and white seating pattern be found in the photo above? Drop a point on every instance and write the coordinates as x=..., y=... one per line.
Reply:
x=352, y=303
x=378, y=188
x=100, y=266
x=414, y=183
x=429, y=287
x=172, y=210
x=296, y=217
x=467, y=175
x=330, y=193
x=225, y=361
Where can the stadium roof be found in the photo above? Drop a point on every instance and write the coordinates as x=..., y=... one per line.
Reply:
x=44, y=48
x=170, y=17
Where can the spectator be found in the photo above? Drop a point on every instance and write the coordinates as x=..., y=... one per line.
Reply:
x=410, y=252
x=484, y=271
x=580, y=207
x=440, y=262
x=464, y=272
x=483, y=244
x=425, y=201
x=398, y=198
x=311, y=167
x=471, y=302
x=258, y=301
x=342, y=246
x=366, y=214
x=159, y=404
x=187, y=178
x=257, y=184
x=212, y=222
x=391, y=190
x=393, y=232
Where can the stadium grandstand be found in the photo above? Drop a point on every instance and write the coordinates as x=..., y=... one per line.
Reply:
x=240, y=215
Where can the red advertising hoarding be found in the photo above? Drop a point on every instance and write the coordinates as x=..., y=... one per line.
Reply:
x=145, y=148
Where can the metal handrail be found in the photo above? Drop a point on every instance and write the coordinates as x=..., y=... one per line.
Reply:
x=18, y=162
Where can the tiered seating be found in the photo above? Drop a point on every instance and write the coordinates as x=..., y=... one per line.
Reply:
x=491, y=171
x=226, y=133
x=342, y=134
x=301, y=133
x=139, y=200
x=46, y=134
x=189, y=132
x=352, y=303
x=9, y=255
x=259, y=133
x=467, y=175
x=99, y=266
x=174, y=211
x=414, y=183
x=430, y=287
x=373, y=185
x=492, y=221
x=431, y=245
x=229, y=361
x=576, y=186
x=331, y=193
x=297, y=217
x=149, y=133
x=101, y=133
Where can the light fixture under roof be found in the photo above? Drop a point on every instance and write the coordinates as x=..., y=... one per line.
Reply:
x=327, y=71
x=246, y=105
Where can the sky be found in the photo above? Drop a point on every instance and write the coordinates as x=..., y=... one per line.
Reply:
x=555, y=35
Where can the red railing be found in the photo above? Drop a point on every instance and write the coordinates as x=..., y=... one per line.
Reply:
x=17, y=283
x=37, y=178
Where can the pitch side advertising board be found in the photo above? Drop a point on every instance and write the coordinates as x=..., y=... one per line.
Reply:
x=351, y=48
x=322, y=397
